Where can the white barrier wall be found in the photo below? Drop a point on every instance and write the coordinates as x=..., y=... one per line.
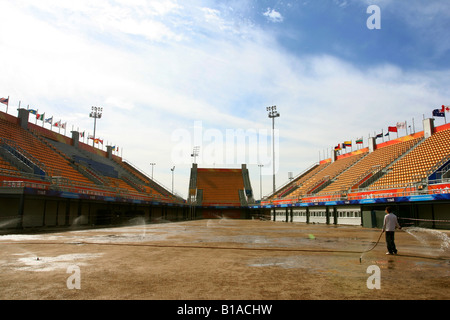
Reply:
x=345, y=215
x=280, y=214
x=318, y=215
x=299, y=215
x=349, y=216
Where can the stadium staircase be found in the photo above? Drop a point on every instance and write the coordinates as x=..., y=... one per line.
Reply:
x=248, y=195
x=331, y=171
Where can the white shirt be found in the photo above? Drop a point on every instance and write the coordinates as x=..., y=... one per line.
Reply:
x=390, y=222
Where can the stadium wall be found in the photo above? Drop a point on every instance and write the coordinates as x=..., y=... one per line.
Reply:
x=20, y=211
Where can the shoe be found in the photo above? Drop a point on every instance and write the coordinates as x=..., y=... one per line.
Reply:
x=388, y=253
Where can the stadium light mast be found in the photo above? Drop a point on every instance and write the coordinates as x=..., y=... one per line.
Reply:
x=96, y=113
x=273, y=113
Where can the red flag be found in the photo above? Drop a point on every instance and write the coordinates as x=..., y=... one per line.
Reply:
x=392, y=129
x=445, y=108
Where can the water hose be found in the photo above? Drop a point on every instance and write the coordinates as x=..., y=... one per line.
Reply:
x=360, y=258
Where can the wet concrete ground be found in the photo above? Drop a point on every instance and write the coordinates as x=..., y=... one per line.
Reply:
x=225, y=259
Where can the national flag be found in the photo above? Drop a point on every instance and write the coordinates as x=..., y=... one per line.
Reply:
x=338, y=147
x=401, y=125
x=57, y=124
x=40, y=116
x=445, y=108
x=96, y=140
x=392, y=129
x=63, y=125
x=49, y=120
x=359, y=141
x=438, y=113
x=82, y=134
x=380, y=135
x=4, y=100
x=32, y=111
x=347, y=144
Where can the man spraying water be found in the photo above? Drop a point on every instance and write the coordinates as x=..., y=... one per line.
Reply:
x=389, y=225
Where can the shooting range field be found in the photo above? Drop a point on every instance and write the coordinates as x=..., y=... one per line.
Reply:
x=224, y=259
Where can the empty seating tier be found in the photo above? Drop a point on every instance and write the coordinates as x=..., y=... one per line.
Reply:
x=220, y=185
x=418, y=164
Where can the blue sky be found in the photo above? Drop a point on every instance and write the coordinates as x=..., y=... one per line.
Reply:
x=162, y=68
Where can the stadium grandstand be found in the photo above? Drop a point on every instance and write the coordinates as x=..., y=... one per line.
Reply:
x=411, y=173
x=49, y=180
x=220, y=192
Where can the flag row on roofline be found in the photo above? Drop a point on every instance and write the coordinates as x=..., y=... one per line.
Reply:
x=58, y=124
x=346, y=144
x=360, y=141
x=399, y=126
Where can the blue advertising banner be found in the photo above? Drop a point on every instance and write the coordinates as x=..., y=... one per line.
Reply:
x=405, y=199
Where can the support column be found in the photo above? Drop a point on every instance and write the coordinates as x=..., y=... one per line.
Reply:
x=428, y=127
x=75, y=138
x=23, y=118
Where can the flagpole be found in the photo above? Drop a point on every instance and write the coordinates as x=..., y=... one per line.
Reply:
x=7, y=105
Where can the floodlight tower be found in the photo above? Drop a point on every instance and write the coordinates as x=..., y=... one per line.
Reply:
x=273, y=113
x=96, y=113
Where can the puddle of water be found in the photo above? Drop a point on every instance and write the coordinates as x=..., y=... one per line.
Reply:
x=45, y=264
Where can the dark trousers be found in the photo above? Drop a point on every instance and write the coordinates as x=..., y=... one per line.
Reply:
x=390, y=241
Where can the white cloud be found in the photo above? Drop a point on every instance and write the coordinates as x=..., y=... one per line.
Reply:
x=273, y=15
